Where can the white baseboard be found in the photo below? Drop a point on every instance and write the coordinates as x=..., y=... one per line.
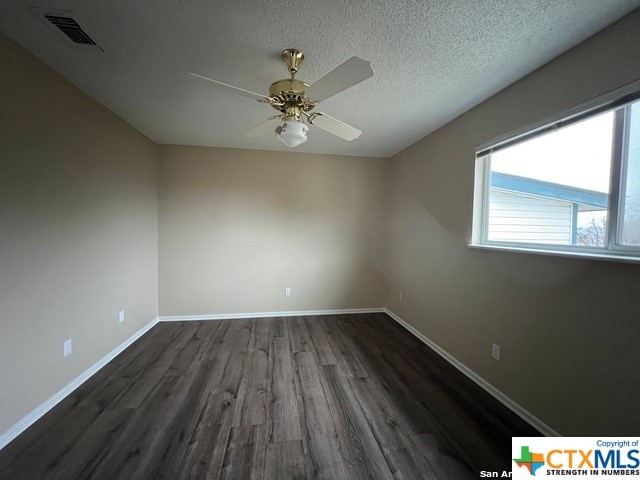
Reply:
x=44, y=407
x=294, y=313
x=493, y=391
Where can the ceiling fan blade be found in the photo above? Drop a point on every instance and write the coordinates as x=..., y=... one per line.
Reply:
x=238, y=90
x=264, y=127
x=334, y=126
x=350, y=73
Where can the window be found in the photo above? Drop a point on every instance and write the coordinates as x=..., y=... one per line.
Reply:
x=630, y=185
x=569, y=186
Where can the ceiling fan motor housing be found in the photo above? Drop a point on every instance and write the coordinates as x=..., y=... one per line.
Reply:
x=290, y=95
x=288, y=90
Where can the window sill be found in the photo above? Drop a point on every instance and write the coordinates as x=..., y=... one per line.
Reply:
x=606, y=257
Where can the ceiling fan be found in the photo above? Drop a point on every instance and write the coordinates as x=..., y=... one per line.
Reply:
x=295, y=100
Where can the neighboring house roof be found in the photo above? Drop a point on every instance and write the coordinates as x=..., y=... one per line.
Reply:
x=582, y=197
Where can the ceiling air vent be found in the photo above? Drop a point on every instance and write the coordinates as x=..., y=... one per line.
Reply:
x=70, y=28
x=65, y=24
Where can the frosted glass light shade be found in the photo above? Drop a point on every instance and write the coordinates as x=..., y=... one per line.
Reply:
x=292, y=132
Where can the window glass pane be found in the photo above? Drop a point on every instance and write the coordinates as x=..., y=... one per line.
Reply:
x=554, y=188
x=630, y=207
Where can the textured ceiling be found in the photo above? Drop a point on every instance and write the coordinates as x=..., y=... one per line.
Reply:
x=433, y=59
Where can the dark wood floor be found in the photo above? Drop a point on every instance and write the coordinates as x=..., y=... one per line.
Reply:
x=345, y=396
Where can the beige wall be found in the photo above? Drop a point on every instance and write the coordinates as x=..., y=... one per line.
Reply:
x=78, y=233
x=569, y=329
x=238, y=226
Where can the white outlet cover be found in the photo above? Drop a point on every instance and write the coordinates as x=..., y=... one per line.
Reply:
x=121, y=316
x=495, y=351
x=287, y=292
x=68, y=348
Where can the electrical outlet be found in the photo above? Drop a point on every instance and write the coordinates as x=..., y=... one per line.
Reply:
x=121, y=316
x=68, y=348
x=287, y=292
x=495, y=351
x=400, y=295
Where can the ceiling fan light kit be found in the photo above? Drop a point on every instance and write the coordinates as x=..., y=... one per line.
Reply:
x=295, y=99
x=292, y=132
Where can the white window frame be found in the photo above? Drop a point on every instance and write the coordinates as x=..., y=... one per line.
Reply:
x=618, y=100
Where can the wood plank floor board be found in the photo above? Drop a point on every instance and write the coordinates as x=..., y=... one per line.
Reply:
x=283, y=418
x=322, y=454
x=51, y=463
x=404, y=461
x=363, y=335
x=396, y=334
x=127, y=451
x=205, y=452
x=312, y=401
x=299, y=335
x=235, y=344
x=284, y=460
x=279, y=327
x=95, y=443
x=55, y=444
x=442, y=457
x=414, y=410
x=320, y=341
x=343, y=396
x=253, y=393
x=171, y=442
x=245, y=453
x=172, y=400
x=322, y=457
x=361, y=452
x=185, y=348
x=140, y=358
x=346, y=353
